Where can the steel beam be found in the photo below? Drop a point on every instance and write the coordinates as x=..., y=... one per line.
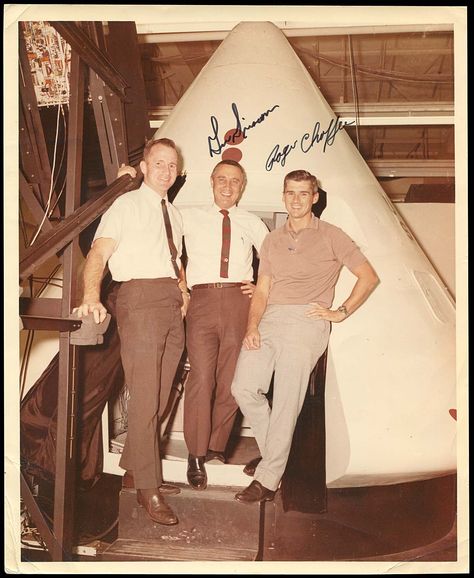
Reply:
x=92, y=56
x=35, y=512
x=150, y=33
x=40, y=307
x=34, y=206
x=109, y=145
x=68, y=371
x=34, y=153
x=50, y=323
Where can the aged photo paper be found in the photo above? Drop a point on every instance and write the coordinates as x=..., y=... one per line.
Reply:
x=454, y=18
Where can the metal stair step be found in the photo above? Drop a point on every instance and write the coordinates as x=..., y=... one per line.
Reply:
x=127, y=549
x=212, y=526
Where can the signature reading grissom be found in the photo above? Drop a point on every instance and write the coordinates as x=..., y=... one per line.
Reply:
x=307, y=141
x=239, y=133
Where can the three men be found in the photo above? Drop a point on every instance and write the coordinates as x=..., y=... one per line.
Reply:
x=289, y=323
x=285, y=331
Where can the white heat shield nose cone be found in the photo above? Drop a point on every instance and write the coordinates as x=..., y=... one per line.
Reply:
x=391, y=375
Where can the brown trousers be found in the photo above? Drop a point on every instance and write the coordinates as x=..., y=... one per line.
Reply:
x=152, y=341
x=215, y=326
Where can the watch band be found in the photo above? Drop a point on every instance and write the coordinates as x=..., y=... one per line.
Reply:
x=343, y=309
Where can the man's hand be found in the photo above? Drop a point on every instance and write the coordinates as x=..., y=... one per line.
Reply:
x=185, y=305
x=126, y=170
x=96, y=308
x=248, y=288
x=252, y=339
x=319, y=312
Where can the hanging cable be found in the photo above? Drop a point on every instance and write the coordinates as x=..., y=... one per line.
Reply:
x=48, y=204
x=59, y=194
x=355, y=95
x=49, y=210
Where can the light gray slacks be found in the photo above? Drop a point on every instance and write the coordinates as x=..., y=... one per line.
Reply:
x=291, y=345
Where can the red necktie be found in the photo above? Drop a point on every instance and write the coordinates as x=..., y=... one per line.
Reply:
x=169, y=234
x=225, y=244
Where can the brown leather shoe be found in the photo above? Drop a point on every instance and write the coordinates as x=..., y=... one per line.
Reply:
x=166, y=489
x=196, y=473
x=252, y=466
x=215, y=457
x=156, y=507
x=255, y=493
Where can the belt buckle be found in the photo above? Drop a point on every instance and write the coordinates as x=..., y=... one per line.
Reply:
x=219, y=285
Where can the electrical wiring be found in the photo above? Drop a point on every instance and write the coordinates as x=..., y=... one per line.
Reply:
x=355, y=95
x=54, y=179
x=58, y=195
x=378, y=73
x=45, y=504
x=45, y=216
x=87, y=539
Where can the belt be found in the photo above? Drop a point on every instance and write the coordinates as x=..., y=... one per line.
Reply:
x=215, y=285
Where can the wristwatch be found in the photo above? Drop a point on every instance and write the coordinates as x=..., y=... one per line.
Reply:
x=343, y=309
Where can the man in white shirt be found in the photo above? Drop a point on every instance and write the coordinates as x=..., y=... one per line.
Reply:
x=219, y=273
x=140, y=237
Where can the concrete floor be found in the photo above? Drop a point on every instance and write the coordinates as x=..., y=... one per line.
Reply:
x=413, y=521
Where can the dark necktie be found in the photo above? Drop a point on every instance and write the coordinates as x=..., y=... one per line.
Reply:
x=169, y=234
x=225, y=243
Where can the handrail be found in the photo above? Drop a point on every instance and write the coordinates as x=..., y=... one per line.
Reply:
x=50, y=242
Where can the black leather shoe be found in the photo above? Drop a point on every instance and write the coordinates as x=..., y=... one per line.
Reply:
x=156, y=507
x=128, y=482
x=255, y=493
x=215, y=457
x=196, y=473
x=252, y=466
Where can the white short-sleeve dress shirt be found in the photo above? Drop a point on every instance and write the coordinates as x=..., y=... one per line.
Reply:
x=203, y=238
x=135, y=222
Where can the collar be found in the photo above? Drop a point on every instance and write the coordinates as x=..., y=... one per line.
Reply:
x=217, y=209
x=313, y=224
x=155, y=197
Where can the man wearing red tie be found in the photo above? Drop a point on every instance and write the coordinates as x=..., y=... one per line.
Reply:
x=219, y=245
x=140, y=237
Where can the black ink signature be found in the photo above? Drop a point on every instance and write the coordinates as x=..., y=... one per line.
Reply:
x=307, y=141
x=279, y=157
x=214, y=142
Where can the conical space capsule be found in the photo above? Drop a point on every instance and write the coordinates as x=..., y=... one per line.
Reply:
x=391, y=381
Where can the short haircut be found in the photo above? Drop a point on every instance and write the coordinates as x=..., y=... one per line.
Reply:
x=301, y=175
x=167, y=142
x=232, y=164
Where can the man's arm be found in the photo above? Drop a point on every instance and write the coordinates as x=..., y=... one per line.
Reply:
x=260, y=231
x=257, y=309
x=183, y=287
x=367, y=280
x=96, y=261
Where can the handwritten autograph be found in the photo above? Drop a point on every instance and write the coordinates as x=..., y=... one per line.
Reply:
x=307, y=141
x=214, y=142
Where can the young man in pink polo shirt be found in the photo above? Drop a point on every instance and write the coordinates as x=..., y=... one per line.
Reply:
x=289, y=323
